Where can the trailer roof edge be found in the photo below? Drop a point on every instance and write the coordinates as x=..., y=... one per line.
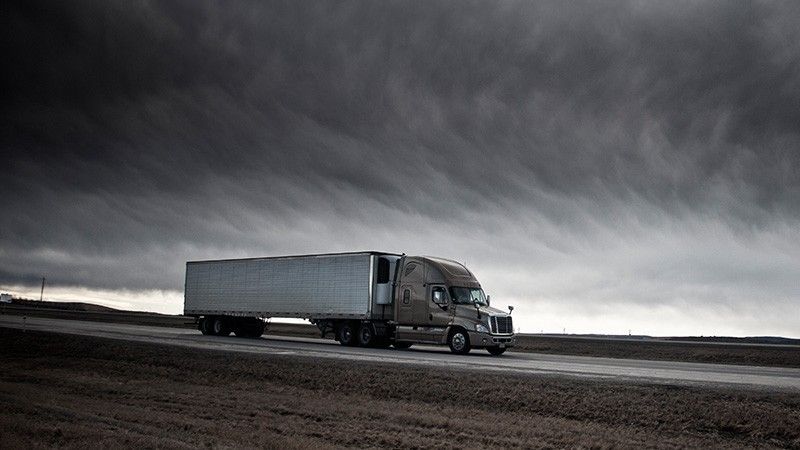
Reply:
x=365, y=252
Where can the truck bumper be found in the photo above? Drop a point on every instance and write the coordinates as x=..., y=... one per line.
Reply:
x=483, y=340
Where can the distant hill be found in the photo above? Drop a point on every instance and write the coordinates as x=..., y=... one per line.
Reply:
x=66, y=306
x=719, y=340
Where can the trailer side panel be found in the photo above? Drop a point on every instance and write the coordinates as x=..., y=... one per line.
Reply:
x=335, y=286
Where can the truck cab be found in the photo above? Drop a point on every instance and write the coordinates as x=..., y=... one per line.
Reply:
x=439, y=301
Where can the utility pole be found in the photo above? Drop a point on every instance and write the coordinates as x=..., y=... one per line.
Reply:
x=41, y=294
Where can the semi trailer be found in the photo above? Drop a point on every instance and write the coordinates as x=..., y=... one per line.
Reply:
x=369, y=299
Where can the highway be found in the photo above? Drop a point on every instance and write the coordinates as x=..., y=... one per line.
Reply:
x=640, y=371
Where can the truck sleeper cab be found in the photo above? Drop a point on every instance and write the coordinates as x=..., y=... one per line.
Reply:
x=371, y=299
x=439, y=301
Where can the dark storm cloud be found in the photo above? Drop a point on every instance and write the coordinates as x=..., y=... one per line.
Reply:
x=142, y=134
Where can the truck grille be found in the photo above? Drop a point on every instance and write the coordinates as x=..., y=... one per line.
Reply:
x=501, y=325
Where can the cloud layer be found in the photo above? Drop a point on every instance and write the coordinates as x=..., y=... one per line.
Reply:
x=586, y=160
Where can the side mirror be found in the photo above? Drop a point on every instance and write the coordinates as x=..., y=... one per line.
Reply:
x=488, y=300
x=510, y=309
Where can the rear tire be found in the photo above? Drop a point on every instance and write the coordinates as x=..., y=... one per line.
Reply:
x=249, y=328
x=219, y=327
x=347, y=334
x=496, y=351
x=204, y=326
x=459, y=342
x=366, y=336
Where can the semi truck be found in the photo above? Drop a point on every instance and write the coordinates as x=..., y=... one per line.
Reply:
x=368, y=299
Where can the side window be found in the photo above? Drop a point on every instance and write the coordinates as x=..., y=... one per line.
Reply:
x=439, y=295
x=383, y=270
x=406, y=297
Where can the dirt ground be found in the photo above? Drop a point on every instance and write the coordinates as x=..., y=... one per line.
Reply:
x=71, y=391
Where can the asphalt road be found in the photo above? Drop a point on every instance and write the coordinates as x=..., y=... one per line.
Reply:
x=660, y=372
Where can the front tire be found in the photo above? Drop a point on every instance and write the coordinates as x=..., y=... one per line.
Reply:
x=496, y=351
x=459, y=342
x=347, y=334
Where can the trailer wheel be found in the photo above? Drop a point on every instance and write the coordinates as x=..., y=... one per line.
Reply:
x=220, y=327
x=459, y=341
x=402, y=345
x=258, y=330
x=250, y=327
x=347, y=334
x=366, y=337
x=496, y=351
x=204, y=326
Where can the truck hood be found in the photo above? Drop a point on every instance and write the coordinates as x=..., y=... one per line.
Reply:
x=493, y=311
x=468, y=311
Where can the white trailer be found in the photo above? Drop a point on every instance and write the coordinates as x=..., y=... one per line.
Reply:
x=326, y=286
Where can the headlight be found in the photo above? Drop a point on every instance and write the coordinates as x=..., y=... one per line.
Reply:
x=481, y=328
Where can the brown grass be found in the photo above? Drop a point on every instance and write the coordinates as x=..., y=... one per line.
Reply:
x=743, y=354
x=69, y=391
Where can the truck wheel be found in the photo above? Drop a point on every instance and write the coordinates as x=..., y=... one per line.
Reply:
x=205, y=326
x=347, y=334
x=496, y=351
x=459, y=342
x=402, y=345
x=243, y=331
x=258, y=330
x=249, y=328
x=366, y=337
x=219, y=327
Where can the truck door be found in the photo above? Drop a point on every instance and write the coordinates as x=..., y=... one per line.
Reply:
x=440, y=312
x=412, y=302
x=413, y=308
x=405, y=307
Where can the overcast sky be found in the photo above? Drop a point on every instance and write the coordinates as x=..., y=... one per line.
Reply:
x=603, y=166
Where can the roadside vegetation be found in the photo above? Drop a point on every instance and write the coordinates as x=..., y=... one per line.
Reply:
x=72, y=391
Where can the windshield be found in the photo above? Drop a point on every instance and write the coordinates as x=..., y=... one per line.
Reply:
x=468, y=296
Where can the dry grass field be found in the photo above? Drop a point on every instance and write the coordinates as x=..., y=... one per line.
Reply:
x=702, y=352
x=77, y=392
